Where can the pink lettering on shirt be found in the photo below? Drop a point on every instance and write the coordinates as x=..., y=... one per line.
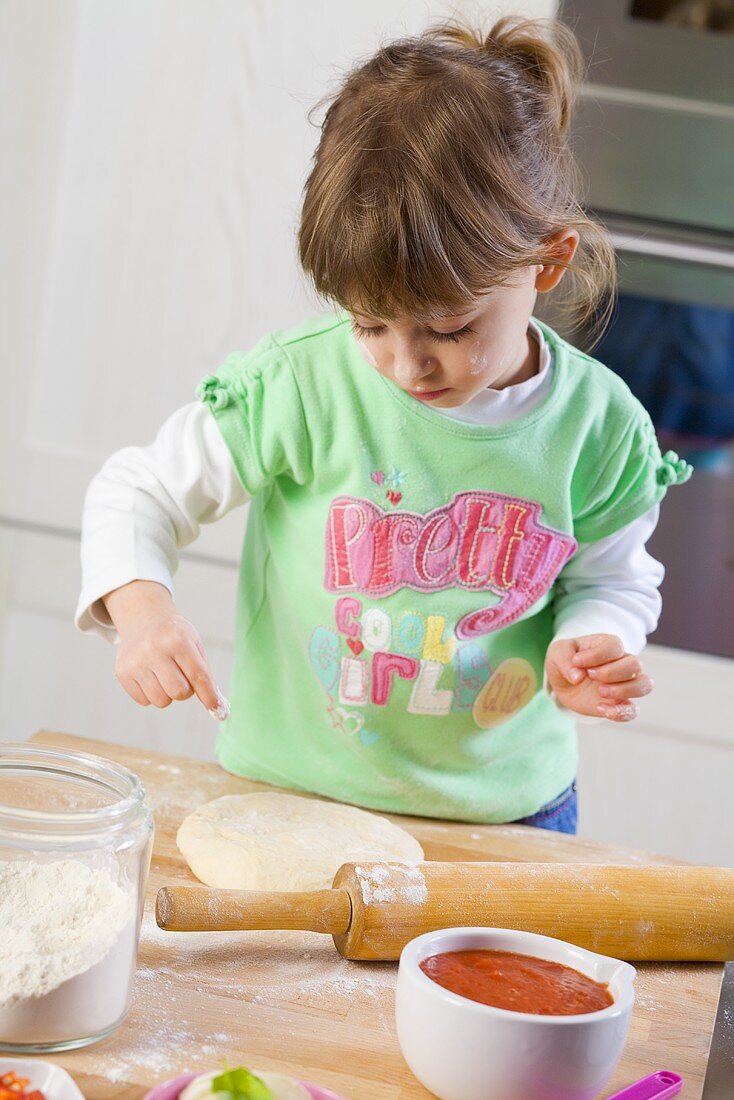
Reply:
x=479, y=541
x=384, y=665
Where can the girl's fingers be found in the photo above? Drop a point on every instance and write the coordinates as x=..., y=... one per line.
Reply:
x=171, y=663
x=622, y=712
x=626, y=668
x=563, y=654
x=607, y=648
x=173, y=681
x=134, y=690
x=630, y=689
x=193, y=662
x=151, y=687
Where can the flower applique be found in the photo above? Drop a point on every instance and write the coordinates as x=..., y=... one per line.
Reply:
x=390, y=483
x=396, y=478
x=674, y=470
x=214, y=393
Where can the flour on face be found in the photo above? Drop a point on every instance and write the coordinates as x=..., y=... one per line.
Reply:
x=405, y=373
x=478, y=358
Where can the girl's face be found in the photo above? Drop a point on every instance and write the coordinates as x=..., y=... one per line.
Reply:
x=457, y=357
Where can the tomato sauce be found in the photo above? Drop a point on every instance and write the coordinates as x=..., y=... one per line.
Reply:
x=520, y=983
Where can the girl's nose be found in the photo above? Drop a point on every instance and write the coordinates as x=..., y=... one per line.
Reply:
x=412, y=365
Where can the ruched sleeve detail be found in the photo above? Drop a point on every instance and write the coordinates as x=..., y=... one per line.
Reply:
x=255, y=400
x=632, y=477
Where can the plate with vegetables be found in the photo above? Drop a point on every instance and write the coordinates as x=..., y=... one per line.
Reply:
x=238, y=1084
x=31, y=1079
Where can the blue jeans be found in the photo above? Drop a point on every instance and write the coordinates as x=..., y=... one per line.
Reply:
x=561, y=814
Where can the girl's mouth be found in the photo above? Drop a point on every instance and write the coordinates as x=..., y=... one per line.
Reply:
x=427, y=395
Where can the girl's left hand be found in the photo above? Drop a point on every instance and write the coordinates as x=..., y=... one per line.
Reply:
x=593, y=675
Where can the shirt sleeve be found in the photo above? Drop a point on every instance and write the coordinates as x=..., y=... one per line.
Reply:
x=632, y=477
x=146, y=503
x=257, y=405
x=611, y=587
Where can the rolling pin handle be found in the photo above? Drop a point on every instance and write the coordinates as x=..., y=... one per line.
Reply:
x=163, y=907
x=200, y=909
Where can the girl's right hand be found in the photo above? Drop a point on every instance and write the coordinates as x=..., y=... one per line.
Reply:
x=161, y=656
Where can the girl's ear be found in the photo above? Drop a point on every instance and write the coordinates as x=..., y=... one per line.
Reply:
x=562, y=245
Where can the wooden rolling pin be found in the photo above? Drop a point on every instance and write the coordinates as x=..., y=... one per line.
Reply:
x=672, y=913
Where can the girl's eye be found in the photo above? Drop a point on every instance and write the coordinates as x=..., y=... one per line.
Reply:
x=452, y=337
x=360, y=330
x=439, y=337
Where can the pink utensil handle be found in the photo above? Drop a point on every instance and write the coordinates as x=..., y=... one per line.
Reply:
x=658, y=1086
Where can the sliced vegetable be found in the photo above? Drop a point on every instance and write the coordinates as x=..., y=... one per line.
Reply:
x=13, y=1087
x=240, y=1084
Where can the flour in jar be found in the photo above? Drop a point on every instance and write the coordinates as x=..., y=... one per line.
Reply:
x=69, y=941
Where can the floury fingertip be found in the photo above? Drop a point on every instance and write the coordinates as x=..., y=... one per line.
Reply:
x=221, y=710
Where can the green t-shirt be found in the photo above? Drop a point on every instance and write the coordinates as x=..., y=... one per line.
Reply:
x=397, y=577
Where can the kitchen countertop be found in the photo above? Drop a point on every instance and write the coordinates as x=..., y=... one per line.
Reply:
x=287, y=1000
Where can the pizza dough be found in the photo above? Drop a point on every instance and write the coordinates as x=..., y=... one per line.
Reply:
x=282, y=1087
x=273, y=841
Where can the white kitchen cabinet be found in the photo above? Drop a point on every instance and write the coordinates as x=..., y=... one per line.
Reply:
x=53, y=677
x=148, y=208
x=665, y=781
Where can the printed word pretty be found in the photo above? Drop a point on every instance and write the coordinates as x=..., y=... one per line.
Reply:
x=480, y=541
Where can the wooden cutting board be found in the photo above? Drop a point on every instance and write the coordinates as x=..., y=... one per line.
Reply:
x=288, y=1001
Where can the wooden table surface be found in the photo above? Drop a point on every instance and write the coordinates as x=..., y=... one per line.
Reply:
x=287, y=1000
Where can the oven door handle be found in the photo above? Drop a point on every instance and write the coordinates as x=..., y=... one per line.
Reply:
x=663, y=248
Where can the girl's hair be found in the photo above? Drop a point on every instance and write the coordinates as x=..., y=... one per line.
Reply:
x=444, y=167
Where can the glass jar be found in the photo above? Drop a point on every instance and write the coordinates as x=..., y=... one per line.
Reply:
x=76, y=836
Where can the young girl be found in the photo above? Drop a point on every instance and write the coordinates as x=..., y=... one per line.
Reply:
x=444, y=560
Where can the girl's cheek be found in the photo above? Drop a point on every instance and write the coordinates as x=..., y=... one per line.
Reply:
x=478, y=358
x=368, y=355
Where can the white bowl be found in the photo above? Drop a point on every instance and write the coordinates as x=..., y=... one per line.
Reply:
x=53, y=1081
x=462, y=1050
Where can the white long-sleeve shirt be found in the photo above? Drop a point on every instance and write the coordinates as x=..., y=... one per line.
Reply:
x=148, y=502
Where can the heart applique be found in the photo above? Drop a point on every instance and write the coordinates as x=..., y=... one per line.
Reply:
x=378, y=477
x=393, y=496
x=352, y=721
x=355, y=645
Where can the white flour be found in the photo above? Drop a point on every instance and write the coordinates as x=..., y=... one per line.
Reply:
x=69, y=942
x=386, y=883
x=187, y=980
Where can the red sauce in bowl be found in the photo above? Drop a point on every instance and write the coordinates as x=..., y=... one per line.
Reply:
x=520, y=983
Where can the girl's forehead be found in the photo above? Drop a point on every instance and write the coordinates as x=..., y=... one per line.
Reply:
x=432, y=317
x=493, y=297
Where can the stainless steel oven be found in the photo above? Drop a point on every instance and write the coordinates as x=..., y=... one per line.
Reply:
x=654, y=133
